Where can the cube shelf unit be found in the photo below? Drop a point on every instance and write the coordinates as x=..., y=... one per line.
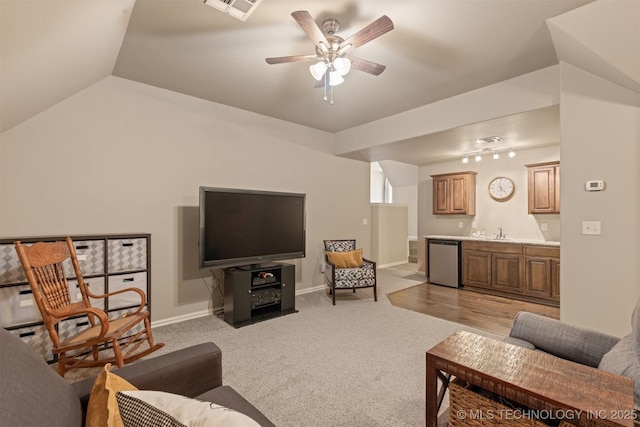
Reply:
x=109, y=262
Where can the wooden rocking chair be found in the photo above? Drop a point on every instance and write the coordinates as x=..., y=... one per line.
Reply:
x=116, y=341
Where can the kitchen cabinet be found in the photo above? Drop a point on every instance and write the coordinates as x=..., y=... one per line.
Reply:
x=507, y=268
x=544, y=188
x=519, y=271
x=476, y=266
x=454, y=193
x=542, y=266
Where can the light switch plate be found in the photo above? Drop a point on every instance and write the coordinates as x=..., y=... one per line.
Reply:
x=591, y=227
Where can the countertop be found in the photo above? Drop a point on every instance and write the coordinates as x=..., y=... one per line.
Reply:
x=512, y=240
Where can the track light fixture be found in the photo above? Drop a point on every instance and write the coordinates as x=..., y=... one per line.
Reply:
x=495, y=154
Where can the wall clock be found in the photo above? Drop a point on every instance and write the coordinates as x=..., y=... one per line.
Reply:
x=501, y=188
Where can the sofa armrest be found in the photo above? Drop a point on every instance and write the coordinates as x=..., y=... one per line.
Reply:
x=189, y=372
x=566, y=341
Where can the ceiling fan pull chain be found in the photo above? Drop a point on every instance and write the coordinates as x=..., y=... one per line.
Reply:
x=326, y=83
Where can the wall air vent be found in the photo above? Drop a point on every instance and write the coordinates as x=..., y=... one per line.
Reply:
x=239, y=9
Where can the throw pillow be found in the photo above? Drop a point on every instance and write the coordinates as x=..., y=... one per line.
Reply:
x=153, y=408
x=102, y=410
x=622, y=359
x=350, y=259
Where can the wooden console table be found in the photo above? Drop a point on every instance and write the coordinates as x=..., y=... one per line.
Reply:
x=536, y=380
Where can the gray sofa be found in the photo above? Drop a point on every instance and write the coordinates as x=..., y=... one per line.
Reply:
x=33, y=394
x=581, y=345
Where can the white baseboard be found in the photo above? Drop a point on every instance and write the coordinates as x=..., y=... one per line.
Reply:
x=182, y=318
x=203, y=313
x=309, y=290
x=391, y=264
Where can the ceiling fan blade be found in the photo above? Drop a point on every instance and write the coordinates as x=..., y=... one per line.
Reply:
x=295, y=58
x=375, y=29
x=304, y=19
x=367, y=66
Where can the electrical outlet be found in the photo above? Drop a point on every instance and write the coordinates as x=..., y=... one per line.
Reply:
x=591, y=227
x=364, y=221
x=543, y=226
x=460, y=224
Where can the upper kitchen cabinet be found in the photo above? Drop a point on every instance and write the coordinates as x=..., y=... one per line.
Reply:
x=544, y=188
x=454, y=193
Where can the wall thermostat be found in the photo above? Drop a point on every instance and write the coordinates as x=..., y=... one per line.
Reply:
x=597, y=185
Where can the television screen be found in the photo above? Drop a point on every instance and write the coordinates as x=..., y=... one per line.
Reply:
x=241, y=227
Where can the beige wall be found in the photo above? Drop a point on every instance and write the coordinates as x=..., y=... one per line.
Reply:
x=389, y=234
x=124, y=157
x=600, y=275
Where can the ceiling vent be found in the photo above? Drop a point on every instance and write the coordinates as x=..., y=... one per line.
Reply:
x=489, y=140
x=239, y=9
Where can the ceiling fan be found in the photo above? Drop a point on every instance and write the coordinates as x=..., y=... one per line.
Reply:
x=331, y=60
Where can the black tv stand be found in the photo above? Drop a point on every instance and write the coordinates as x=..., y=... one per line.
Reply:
x=256, y=293
x=253, y=267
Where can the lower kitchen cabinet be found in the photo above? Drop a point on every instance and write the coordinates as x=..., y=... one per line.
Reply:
x=525, y=272
x=476, y=267
x=508, y=271
x=542, y=265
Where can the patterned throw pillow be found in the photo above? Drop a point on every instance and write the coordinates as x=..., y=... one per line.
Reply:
x=156, y=408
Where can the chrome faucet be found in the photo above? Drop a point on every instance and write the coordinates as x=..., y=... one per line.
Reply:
x=500, y=235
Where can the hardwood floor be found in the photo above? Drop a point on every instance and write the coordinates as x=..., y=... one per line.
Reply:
x=486, y=312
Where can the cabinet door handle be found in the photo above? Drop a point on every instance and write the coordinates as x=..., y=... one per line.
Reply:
x=127, y=245
x=128, y=279
x=82, y=247
x=26, y=334
x=25, y=292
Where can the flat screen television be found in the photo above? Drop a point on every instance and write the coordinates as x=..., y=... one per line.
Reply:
x=250, y=227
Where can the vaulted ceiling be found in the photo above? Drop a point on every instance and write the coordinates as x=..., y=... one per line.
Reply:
x=52, y=49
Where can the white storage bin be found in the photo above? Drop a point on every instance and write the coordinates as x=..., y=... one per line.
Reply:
x=17, y=306
x=90, y=255
x=95, y=285
x=38, y=338
x=10, y=268
x=123, y=281
x=127, y=255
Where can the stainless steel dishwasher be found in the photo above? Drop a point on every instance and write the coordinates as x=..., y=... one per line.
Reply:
x=444, y=262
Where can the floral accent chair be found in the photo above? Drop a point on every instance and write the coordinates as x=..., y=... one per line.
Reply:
x=347, y=269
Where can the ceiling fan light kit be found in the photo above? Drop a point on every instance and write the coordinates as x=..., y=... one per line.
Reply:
x=332, y=62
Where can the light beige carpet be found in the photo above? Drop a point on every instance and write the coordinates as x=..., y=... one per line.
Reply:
x=358, y=363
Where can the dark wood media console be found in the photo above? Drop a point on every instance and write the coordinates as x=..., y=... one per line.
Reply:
x=256, y=293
